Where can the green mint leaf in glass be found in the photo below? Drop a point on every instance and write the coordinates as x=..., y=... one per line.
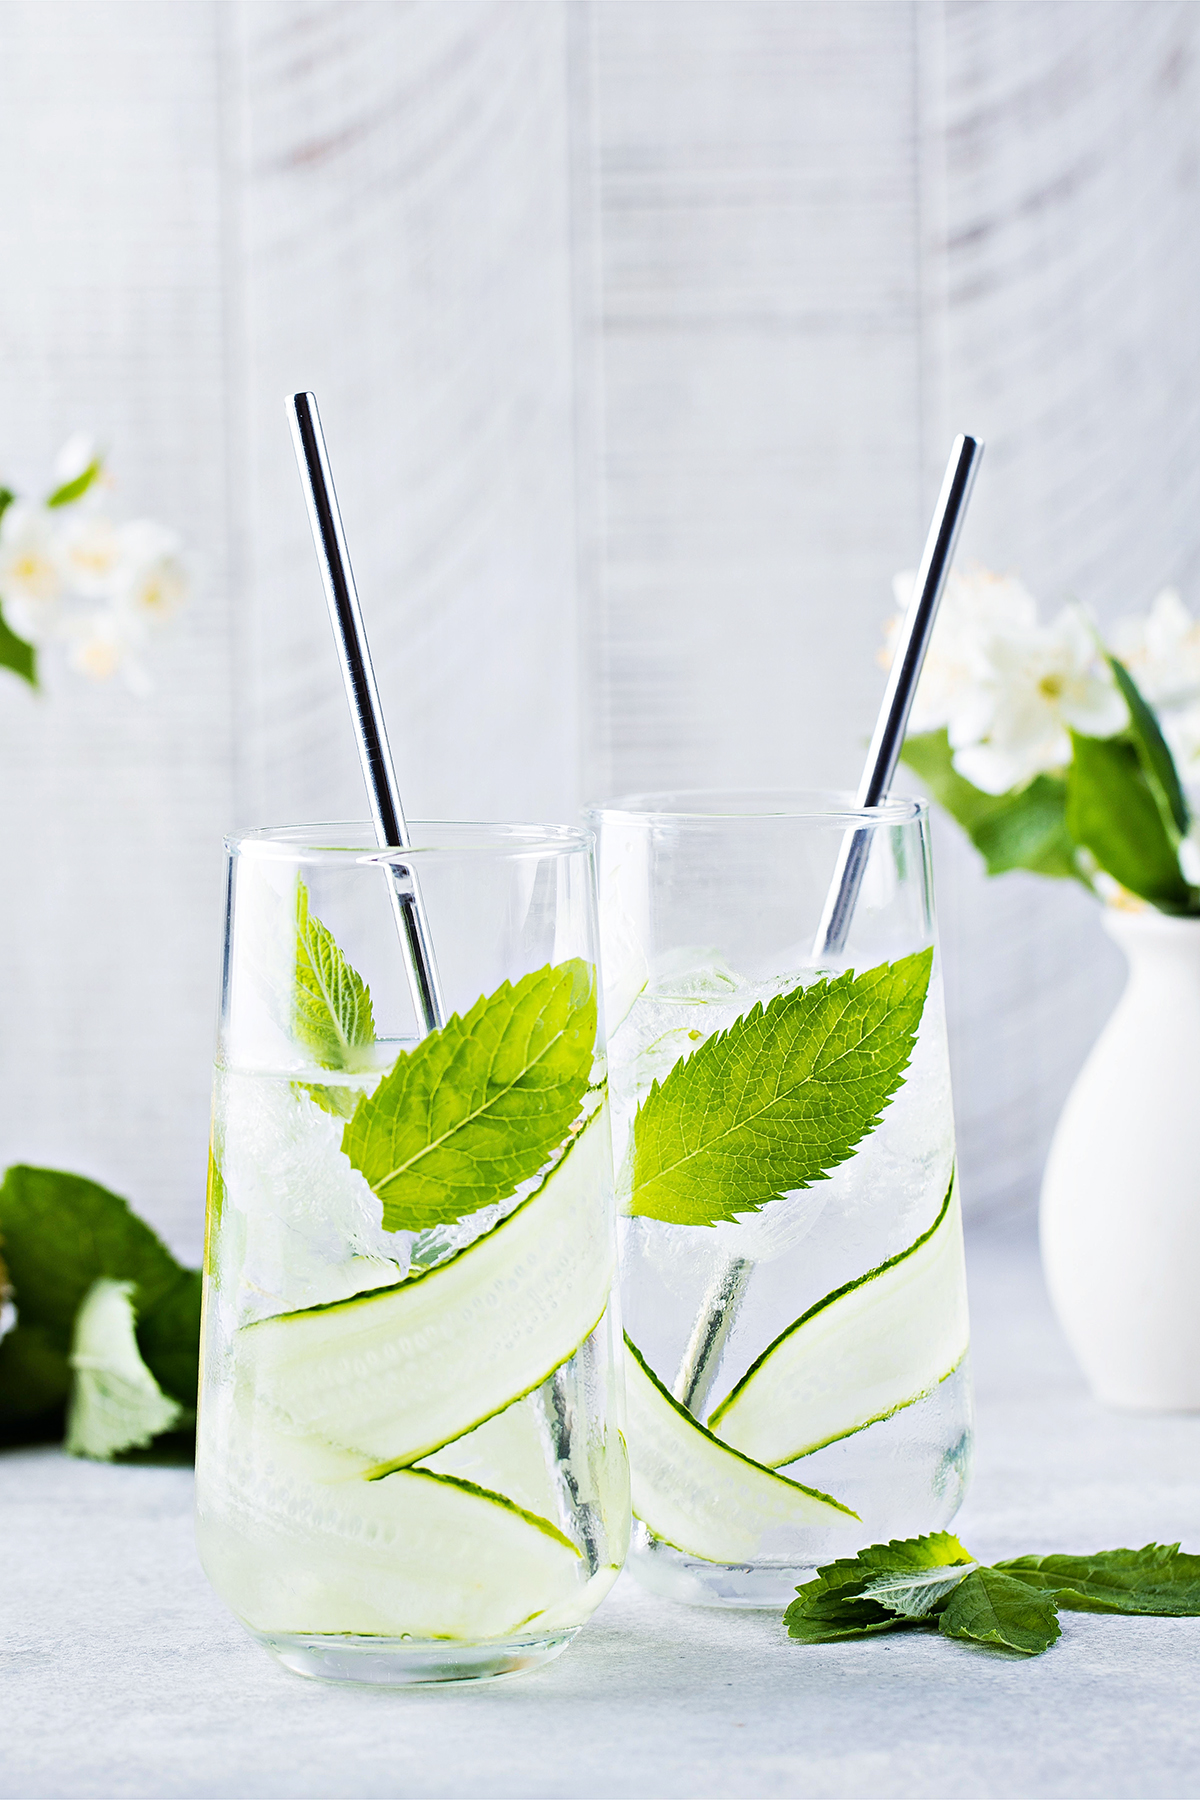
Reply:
x=1154, y=754
x=780, y=1098
x=1112, y=811
x=991, y=1608
x=1157, y=1579
x=61, y=1233
x=331, y=1003
x=16, y=654
x=116, y=1404
x=478, y=1107
x=1025, y=830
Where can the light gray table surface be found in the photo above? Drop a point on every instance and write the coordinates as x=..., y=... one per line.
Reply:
x=122, y=1674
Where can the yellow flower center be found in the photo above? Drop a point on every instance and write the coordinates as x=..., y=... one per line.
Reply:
x=1051, y=686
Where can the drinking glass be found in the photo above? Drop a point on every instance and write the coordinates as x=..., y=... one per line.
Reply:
x=410, y=1465
x=791, y=1246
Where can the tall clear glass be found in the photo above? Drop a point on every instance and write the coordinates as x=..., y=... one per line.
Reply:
x=791, y=1246
x=410, y=1462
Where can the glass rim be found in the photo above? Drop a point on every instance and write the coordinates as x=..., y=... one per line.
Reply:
x=823, y=806
x=327, y=842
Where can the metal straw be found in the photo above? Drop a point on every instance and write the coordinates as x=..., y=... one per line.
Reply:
x=391, y=831
x=907, y=664
x=719, y=1308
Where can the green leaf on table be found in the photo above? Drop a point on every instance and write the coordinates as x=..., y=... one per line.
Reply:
x=331, y=1003
x=1157, y=1579
x=992, y=1608
x=1112, y=811
x=479, y=1107
x=831, y=1615
x=116, y=1404
x=61, y=1233
x=78, y=486
x=1025, y=830
x=882, y=1588
x=35, y=1380
x=915, y=1593
x=16, y=654
x=780, y=1098
x=1157, y=762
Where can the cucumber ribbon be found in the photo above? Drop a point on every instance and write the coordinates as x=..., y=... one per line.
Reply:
x=860, y=1355
x=342, y=1400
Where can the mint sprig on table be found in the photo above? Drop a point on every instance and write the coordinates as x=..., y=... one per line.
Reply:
x=66, y=1240
x=478, y=1107
x=934, y=1583
x=780, y=1098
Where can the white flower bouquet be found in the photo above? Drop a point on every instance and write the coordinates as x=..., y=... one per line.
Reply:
x=72, y=576
x=1058, y=752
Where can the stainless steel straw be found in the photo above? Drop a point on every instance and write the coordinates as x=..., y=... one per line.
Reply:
x=374, y=752
x=719, y=1309
x=888, y=740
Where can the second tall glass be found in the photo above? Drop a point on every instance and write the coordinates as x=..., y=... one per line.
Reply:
x=792, y=1267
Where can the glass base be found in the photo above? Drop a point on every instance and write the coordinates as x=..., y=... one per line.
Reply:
x=408, y=1662
x=675, y=1576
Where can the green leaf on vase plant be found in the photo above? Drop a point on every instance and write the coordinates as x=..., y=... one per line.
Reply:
x=1157, y=1579
x=1025, y=830
x=16, y=654
x=1113, y=812
x=1154, y=754
x=478, y=1107
x=61, y=1233
x=78, y=486
x=116, y=1404
x=991, y=1608
x=780, y=1098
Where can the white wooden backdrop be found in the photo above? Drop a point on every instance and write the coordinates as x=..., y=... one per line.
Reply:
x=641, y=329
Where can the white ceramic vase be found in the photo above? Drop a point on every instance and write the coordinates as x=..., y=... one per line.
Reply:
x=1120, y=1218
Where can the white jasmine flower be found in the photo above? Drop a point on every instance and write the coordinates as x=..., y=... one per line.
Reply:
x=975, y=603
x=31, y=573
x=92, y=556
x=77, y=455
x=100, y=645
x=152, y=581
x=1162, y=651
x=1035, y=686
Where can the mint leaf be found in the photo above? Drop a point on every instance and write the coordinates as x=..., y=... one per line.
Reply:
x=331, y=1003
x=16, y=654
x=1157, y=762
x=116, y=1404
x=883, y=1587
x=1156, y=1579
x=780, y=1098
x=76, y=488
x=35, y=1379
x=1113, y=812
x=829, y=1616
x=1025, y=830
x=915, y=1593
x=60, y=1234
x=479, y=1106
x=936, y=1550
x=991, y=1608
